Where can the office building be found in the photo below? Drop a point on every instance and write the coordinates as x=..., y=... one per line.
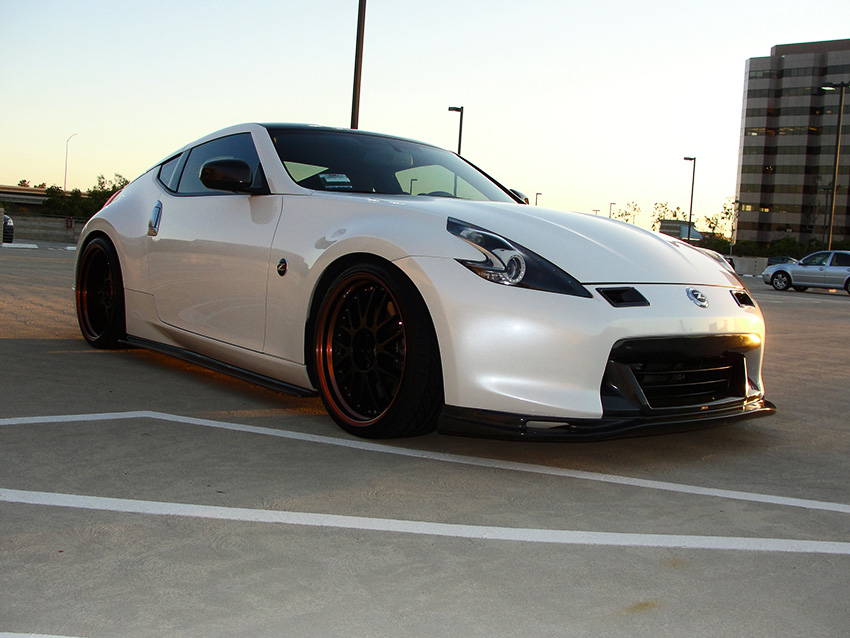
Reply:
x=787, y=150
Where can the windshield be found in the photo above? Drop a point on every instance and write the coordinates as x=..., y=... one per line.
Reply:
x=347, y=162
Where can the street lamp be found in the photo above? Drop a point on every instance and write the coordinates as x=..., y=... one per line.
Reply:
x=691, y=209
x=536, y=195
x=610, y=206
x=458, y=109
x=65, y=183
x=834, y=86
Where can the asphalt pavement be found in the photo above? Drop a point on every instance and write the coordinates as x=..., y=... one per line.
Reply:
x=144, y=496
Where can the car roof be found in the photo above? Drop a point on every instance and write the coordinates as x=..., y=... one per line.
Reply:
x=252, y=126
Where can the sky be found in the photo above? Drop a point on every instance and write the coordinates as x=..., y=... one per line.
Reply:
x=588, y=103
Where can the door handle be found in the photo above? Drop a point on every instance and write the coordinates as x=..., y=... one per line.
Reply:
x=153, y=224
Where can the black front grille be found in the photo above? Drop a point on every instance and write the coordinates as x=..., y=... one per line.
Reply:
x=692, y=382
x=646, y=375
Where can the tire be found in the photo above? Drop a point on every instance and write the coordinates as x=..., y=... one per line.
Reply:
x=847, y=286
x=376, y=355
x=100, y=295
x=801, y=288
x=780, y=280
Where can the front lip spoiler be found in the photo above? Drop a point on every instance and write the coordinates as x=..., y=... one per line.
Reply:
x=501, y=425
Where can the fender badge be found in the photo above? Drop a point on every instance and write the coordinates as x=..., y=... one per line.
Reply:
x=697, y=297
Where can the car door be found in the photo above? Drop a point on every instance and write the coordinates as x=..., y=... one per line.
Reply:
x=809, y=270
x=838, y=270
x=209, y=253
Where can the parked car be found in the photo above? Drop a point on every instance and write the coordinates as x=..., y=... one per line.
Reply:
x=781, y=259
x=823, y=269
x=412, y=292
x=8, y=230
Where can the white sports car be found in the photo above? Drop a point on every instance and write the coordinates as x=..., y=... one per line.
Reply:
x=413, y=292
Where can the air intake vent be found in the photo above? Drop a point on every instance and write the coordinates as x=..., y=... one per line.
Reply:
x=680, y=373
x=623, y=297
x=742, y=297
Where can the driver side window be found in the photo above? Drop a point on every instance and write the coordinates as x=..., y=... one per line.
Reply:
x=818, y=259
x=239, y=147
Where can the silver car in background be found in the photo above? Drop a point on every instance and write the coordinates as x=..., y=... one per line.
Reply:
x=824, y=269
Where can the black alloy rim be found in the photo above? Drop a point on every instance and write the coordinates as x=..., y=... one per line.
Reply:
x=98, y=293
x=363, y=350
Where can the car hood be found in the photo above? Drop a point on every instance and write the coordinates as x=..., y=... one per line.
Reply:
x=594, y=250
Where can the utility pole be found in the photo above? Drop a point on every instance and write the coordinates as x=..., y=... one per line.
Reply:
x=358, y=64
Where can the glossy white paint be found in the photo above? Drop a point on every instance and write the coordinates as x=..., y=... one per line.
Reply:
x=207, y=282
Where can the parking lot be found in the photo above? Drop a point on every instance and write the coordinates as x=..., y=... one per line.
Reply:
x=144, y=496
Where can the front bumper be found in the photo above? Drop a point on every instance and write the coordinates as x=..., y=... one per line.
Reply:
x=523, y=352
x=650, y=385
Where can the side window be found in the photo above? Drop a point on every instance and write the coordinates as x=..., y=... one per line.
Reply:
x=240, y=147
x=818, y=259
x=841, y=259
x=167, y=173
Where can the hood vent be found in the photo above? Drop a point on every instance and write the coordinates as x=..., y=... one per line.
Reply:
x=623, y=297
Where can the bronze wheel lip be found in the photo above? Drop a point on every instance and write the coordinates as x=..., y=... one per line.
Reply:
x=347, y=297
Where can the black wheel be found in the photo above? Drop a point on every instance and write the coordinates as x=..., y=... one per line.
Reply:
x=780, y=280
x=376, y=355
x=847, y=286
x=100, y=295
x=801, y=288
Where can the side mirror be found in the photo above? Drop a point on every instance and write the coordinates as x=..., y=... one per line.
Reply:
x=230, y=175
x=521, y=196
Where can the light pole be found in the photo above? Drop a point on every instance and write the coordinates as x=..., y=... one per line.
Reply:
x=610, y=206
x=834, y=86
x=458, y=109
x=358, y=64
x=536, y=195
x=65, y=183
x=691, y=209
x=595, y=211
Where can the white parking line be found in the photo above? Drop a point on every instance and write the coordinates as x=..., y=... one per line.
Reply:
x=448, y=458
x=564, y=537
x=19, y=247
x=477, y=532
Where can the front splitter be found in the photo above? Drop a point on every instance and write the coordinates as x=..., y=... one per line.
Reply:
x=500, y=425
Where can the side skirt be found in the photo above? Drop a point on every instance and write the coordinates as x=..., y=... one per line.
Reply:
x=219, y=366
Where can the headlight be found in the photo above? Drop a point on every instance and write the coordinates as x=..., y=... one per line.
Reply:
x=509, y=264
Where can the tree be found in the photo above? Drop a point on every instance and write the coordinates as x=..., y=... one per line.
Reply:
x=721, y=223
x=662, y=210
x=77, y=205
x=104, y=189
x=25, y=183
x=629, y=214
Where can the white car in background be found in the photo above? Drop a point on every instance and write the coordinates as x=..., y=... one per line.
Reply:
x=413, y=292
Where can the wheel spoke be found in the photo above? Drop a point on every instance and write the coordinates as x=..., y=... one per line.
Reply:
x=366, y=349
